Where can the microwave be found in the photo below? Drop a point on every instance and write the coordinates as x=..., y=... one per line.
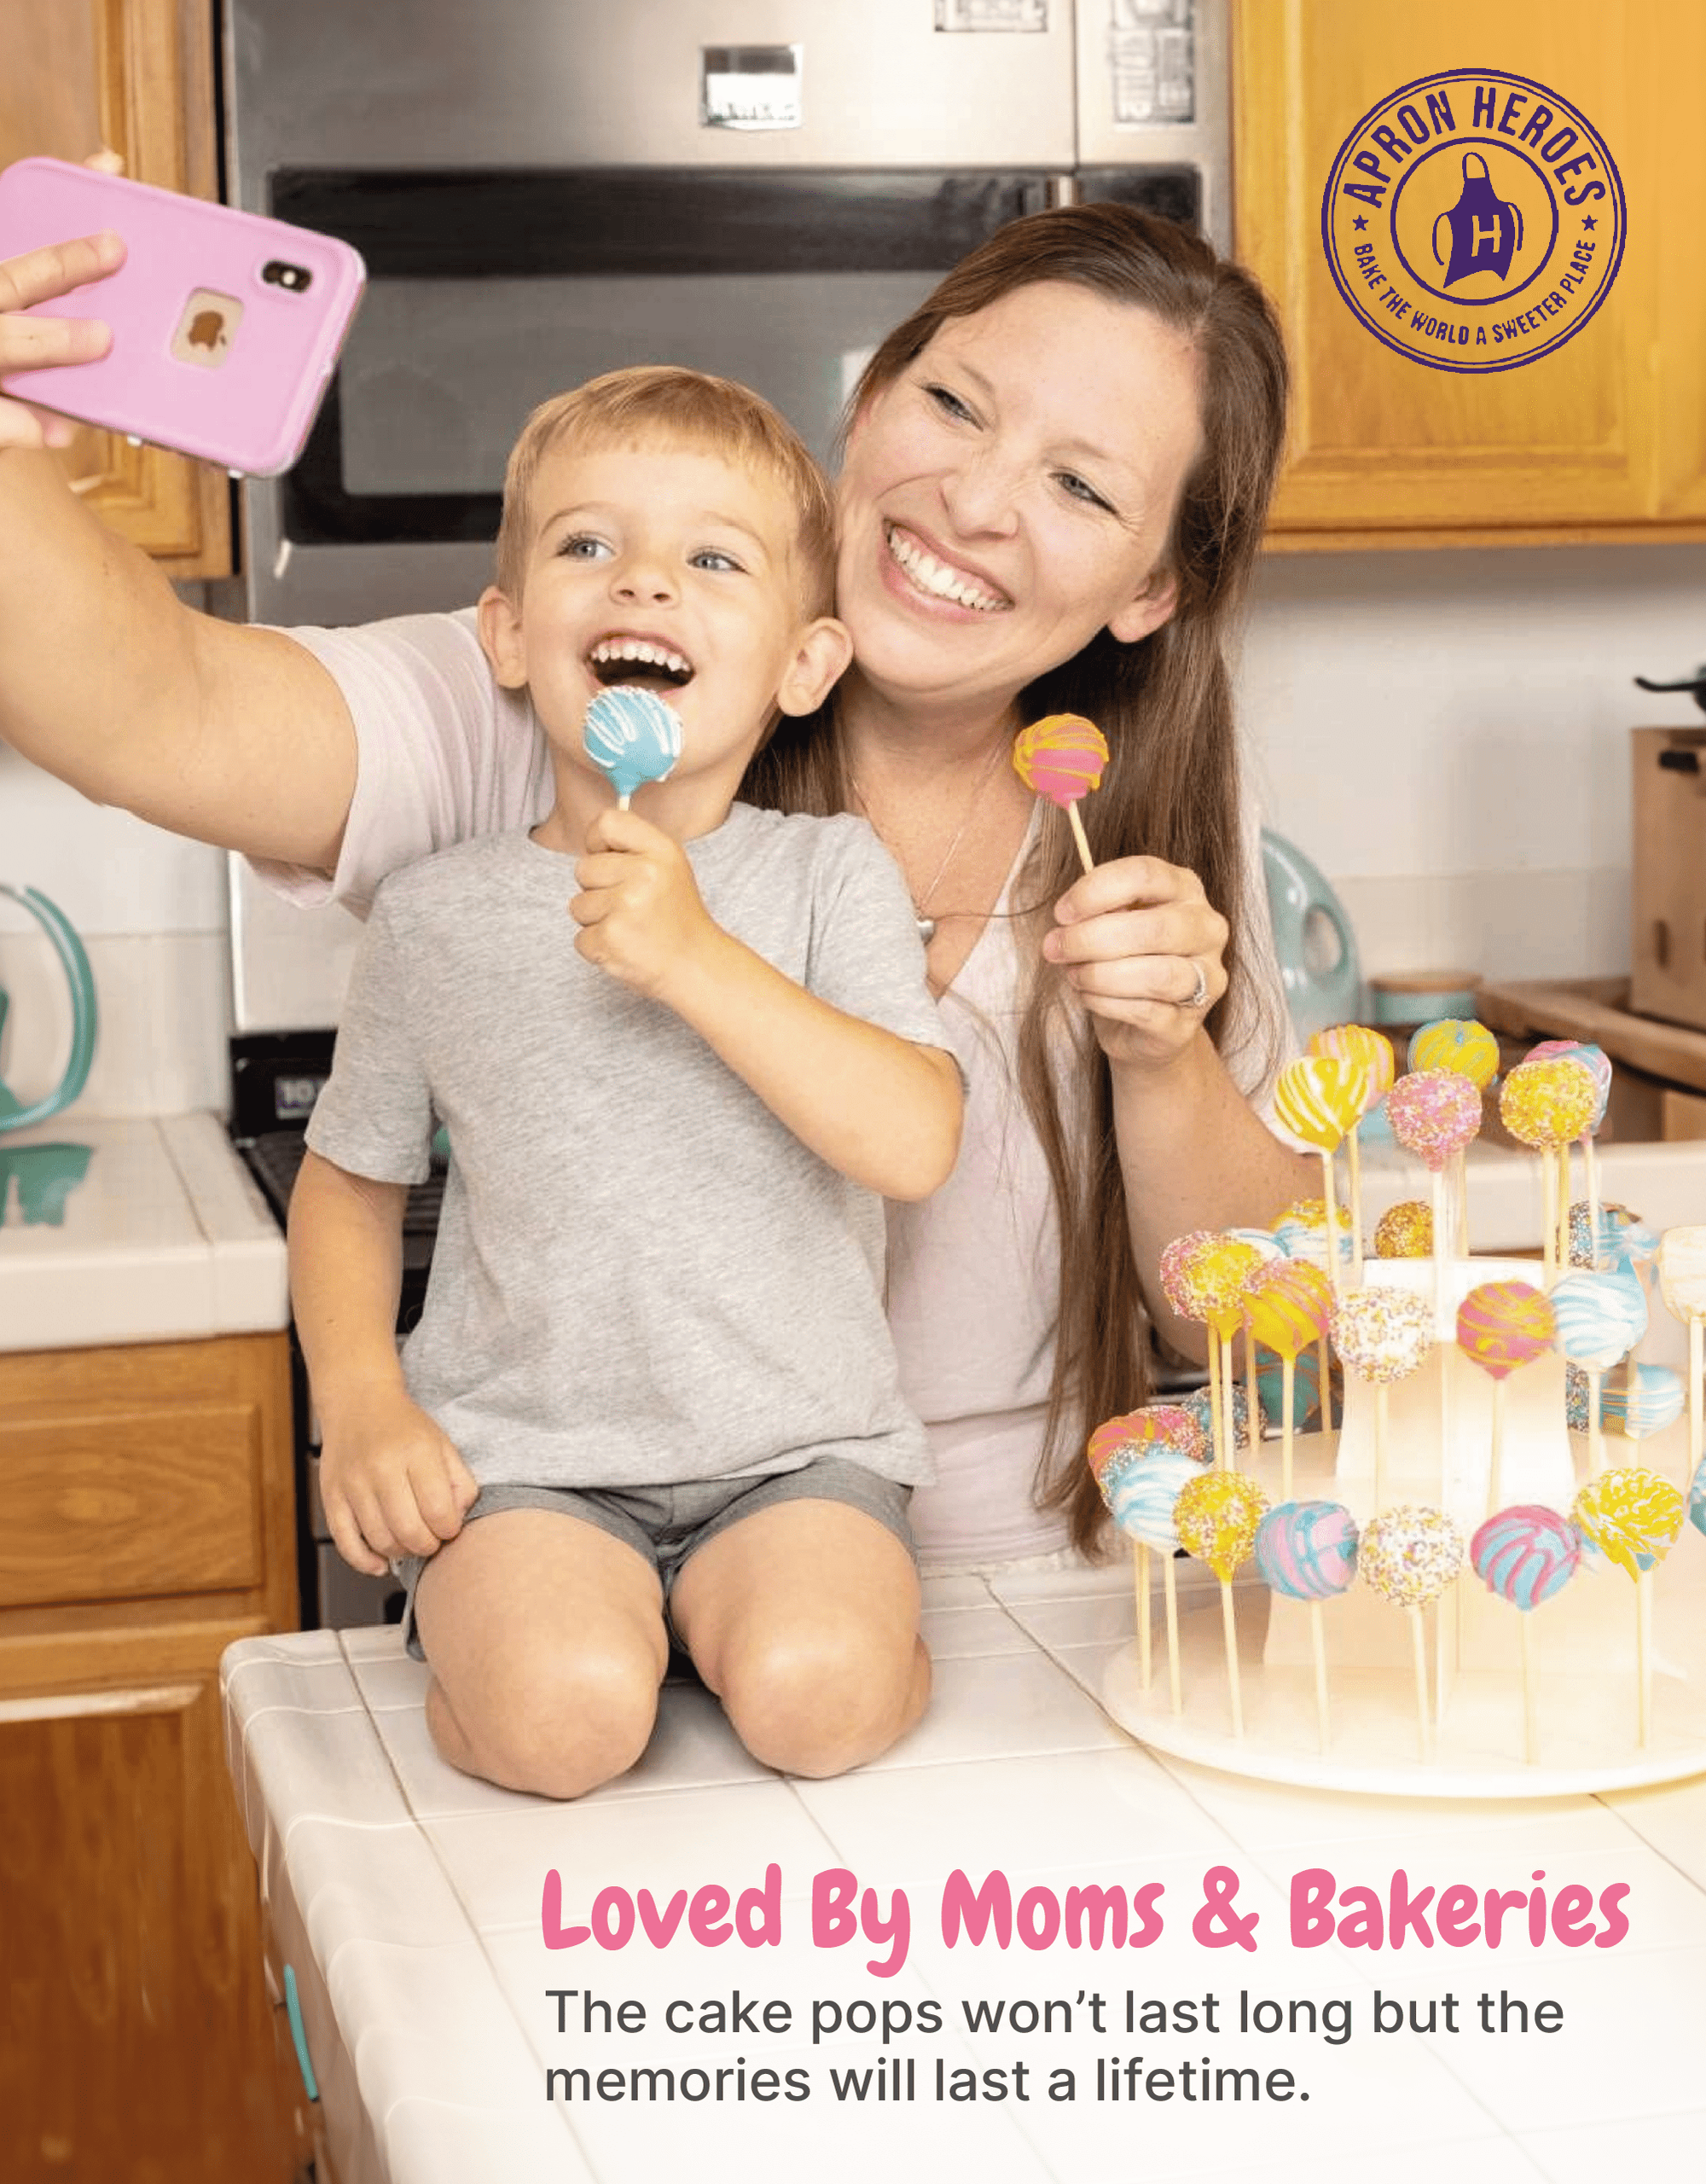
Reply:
x=544, y=189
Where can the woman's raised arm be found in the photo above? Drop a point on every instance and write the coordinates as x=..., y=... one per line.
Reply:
x=235, y=736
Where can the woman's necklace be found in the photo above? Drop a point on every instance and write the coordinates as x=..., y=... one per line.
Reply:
x=920, y=903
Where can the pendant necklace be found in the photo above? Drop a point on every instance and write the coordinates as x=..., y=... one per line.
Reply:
x=927, y=924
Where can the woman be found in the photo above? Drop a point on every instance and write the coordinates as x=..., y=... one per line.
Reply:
x=1056, y=475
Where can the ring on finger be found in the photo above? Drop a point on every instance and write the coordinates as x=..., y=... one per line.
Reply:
x=1199, y=995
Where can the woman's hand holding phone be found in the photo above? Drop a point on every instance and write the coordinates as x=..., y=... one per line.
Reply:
x=28, y=342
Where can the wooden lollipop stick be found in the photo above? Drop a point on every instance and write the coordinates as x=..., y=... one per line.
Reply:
x=1549, y=1233
x=1441, y=1240
x=1323, y=1360
x=1493, y=1488
x=1229, y=1400
x=1696, y=1358
x=1563, y=1206
x=1230, y=1622
x=1353, y=1146
x=1078, y=836
x=1379, y=1444
x=1596, y=1429
x=1530, y=1727
x=1419, y=1654
x=1288, y=1376
x=1145, y=1666
x=1217, y=1422
x=1252, y=1392
x=1170, y=1586
x=1644, y=1656
x=1591, y=1161
x=1319, y=1642
x=1335, y=1272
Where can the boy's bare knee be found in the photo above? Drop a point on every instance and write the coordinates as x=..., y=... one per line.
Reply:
x=816, y=1702
x=556, y=1732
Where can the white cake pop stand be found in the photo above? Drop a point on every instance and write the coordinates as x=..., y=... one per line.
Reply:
x=1583, y=1640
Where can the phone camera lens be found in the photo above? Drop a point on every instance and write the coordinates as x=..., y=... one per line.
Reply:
x=280, y=274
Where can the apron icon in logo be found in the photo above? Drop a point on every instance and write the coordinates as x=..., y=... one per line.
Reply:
x=1485, y=230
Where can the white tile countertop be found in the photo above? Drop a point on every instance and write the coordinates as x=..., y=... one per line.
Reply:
x=165, y=1238
x=409, y=1902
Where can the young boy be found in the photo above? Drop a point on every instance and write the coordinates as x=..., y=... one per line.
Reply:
x=654, y=1362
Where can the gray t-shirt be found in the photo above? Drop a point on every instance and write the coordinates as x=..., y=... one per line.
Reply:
x=641, y=1276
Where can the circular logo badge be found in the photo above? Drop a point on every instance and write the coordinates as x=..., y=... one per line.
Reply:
x=1474, y=220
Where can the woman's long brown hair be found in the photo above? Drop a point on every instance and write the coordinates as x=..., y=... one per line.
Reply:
x=1171, y=788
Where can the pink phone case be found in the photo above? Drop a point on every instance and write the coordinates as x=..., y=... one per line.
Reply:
x=225, y=325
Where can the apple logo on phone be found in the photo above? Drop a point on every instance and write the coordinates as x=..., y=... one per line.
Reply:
x=206, y=327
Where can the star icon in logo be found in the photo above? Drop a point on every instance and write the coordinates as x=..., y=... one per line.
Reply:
x=1589, y=221
x=1359, y=221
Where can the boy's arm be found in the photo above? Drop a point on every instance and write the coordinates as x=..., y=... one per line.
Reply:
x=390, y=1481
x=882, y=1110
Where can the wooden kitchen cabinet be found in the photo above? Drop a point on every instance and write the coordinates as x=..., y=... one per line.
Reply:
x=1605, y=438
x=138, y=75
x=149, y=1523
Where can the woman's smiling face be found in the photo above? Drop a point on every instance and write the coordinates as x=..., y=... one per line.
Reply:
x=1012, y=492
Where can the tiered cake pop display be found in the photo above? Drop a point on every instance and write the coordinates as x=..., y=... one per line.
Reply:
x=1469, y=1589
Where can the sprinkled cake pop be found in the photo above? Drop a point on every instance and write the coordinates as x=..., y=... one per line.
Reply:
x=1632, y=1515
x=1575, y=1399
x=1203, y=1275
x=1593, y=1059
x=1061, y=756
x=1198, y=1406
x=1548, y=1103
x=1158, y=1424
x=1682, y=1271
x=1409, y=1554
x=1217, y=1516
x=1405, y=1231
x=1146, y=1487
x=1525, y=1554
x=633, y=737
x=1652, y=1399
x=1457, y=1044
x=1383, y=1334
x=1434, y=1113
x=1307, y=1550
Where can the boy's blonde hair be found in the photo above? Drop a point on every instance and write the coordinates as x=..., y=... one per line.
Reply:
x=652, y=402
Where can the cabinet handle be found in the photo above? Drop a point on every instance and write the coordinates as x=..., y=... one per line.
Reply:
x=293, y=2010
x=1661, y=943
x=82, y=1706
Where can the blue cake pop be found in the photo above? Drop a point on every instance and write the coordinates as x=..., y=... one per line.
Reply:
x=633, y=737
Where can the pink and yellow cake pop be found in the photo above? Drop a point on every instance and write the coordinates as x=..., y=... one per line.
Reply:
x=1156, y=1426
x=1203, y=1277
x=1503, y=1325
x=1286, y=1305
x=1319, y=1098
x=1061, y=756
x=1360, y=1047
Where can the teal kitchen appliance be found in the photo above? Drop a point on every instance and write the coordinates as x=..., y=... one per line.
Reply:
x=47, y=1174
x=1313, y=940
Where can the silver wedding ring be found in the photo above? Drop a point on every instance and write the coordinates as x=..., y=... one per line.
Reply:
x=1199, y=995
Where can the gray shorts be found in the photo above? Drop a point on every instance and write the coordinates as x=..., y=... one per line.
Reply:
x=668, y=1525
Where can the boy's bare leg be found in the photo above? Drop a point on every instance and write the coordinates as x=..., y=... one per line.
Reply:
x=547, y=1643
x=803, y=1619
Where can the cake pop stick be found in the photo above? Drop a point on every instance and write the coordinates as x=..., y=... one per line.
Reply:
x=1545, y=1104
x=1307, y=1550
x=1501, y=1326
x=1682, y=1284
x=1525, y=1555
x=1217, y=1515
x=1382, y=1335
x=1435, y=1113
x=1062, y=757
x=1261, y=1242
x=1134, y=1436
x=1633, y=1516
x=1203, y=1275
x=1594, y=1060
x=1286, y=1302
x=632, y=735
x=1370, y=1053
x=1408, y=1556
x=1600, y=1317
x=1143, y=1500
x=1461, y=1044
x=1317, y=1099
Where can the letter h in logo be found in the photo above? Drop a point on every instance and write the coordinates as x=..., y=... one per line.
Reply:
x=1485, y=230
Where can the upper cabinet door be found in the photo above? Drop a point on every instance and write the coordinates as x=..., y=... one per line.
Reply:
x=1601, y=437
x=138, y=75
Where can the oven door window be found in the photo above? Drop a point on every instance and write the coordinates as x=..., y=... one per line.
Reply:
x=488, y=293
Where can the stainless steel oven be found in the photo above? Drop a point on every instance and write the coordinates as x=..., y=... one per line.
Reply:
x=547, y=189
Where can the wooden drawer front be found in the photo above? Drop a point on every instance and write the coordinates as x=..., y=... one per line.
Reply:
x=127, y=1505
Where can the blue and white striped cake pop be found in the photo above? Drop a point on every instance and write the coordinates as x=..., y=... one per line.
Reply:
x=1652, y=1400
x=1143, y=1493
x=1600, y=1316
x=1697, y=1497
x=632, y=735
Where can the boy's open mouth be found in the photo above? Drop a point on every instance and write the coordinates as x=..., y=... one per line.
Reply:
x=645, y=662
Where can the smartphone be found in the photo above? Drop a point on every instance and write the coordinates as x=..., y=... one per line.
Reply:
x=225, y=325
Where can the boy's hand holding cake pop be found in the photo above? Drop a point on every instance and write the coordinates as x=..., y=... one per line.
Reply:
x=638, y=909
